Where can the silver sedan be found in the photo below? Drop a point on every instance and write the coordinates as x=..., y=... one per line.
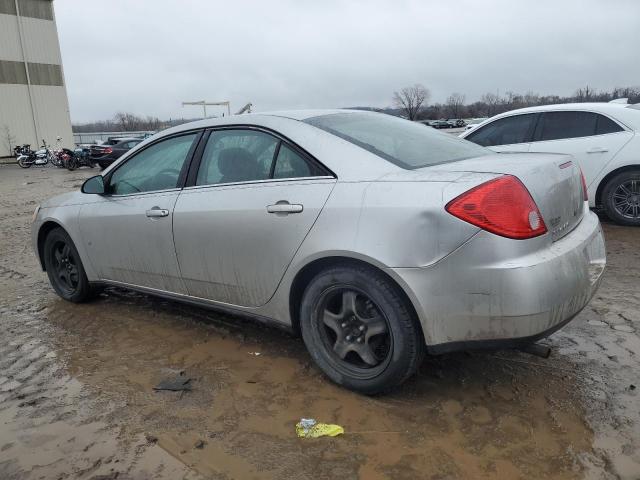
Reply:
x=376, y=238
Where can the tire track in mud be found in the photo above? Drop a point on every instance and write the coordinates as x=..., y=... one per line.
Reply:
x=52, y=425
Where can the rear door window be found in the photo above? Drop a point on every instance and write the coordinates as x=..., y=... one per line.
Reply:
x=236, y=156
x=562, y=125
x=605, y=125
x=290, y=164
x=505, y=131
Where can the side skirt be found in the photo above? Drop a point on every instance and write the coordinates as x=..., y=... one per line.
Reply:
x=202, y=303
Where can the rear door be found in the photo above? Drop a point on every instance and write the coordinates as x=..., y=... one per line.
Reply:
x=592, y=138
x=253, y=199
x=507, y=134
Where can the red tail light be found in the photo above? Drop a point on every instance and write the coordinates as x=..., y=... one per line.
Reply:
x=502, y=206
x=585, y=193
x=108, y=150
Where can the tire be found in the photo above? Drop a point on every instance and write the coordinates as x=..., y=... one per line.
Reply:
x=64, y=267
x=103, y=165
x=354, y=351
x=24, y=163
x=72, y=164
x=621, y=198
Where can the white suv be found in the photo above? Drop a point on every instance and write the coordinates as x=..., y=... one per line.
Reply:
x=602, y=137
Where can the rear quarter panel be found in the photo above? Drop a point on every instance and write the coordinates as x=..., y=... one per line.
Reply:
x=386, y=224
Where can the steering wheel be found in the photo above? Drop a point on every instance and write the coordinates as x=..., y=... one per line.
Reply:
x=163, y=179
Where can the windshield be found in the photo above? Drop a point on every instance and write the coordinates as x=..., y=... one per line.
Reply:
x=406, y=144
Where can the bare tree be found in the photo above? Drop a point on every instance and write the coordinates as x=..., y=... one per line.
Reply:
x=129, y=122
x=492, y=101
x=584, y=94
x=411, y=99
x=8, y=139
x=455, y=103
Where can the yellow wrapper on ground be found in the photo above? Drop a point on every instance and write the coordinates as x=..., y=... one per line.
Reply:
x=318, y=430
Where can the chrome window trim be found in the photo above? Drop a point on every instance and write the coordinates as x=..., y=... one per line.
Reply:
x=166, y=190
x=259, y=182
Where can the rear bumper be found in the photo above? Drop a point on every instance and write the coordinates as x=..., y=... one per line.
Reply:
x=494, y=292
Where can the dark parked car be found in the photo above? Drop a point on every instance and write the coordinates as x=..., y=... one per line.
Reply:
x=105, y=155
x=441, y=124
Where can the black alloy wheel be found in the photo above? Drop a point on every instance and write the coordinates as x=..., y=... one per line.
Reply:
x=621, y=198
x=64, y=267
x=359, y=328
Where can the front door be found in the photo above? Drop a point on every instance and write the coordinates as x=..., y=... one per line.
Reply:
x=236, y=231
x=129, y=233
x=507, y=134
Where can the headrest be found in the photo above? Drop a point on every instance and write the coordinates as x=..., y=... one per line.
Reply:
x=236, y=162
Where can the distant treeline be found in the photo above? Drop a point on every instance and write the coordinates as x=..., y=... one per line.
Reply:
x=412, y=102
x=455, y=107
x=492, y=103
x=129, y=122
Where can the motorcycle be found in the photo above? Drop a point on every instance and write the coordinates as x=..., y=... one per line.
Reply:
x=78, y=158
x=21, y=149
x=40, y=158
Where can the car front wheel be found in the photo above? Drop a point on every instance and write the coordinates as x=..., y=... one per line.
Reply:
x=64, y=268
x=621, y=198
x=359, y=330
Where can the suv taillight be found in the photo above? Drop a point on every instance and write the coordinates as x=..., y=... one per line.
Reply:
x=585, y=193
x=502, y=206
x=108, y=150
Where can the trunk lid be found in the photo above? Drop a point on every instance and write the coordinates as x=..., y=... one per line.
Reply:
x=97, y=151
x=553, y=180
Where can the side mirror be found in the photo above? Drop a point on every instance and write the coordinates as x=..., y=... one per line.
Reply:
x=93, y=185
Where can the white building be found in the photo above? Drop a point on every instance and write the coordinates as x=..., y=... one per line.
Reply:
x=33, y=96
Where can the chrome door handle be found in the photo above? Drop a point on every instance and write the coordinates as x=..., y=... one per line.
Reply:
x=157, y=212
x=597, y=150
x=284, y=207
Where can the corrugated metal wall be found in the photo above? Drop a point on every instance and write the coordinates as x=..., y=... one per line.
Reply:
x=47, y=96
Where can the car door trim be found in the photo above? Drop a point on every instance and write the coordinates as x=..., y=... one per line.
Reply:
x=257, y=182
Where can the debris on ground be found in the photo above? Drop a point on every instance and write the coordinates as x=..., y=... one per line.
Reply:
x=310, y=428
x=200, y=444
x=181, y=383
x=255, y=354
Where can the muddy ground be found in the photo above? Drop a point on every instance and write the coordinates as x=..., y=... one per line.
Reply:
x=76, y=397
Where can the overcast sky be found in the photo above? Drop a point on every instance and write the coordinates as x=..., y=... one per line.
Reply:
x=147, y=56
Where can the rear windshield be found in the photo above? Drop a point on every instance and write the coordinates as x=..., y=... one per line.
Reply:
x=406, y=144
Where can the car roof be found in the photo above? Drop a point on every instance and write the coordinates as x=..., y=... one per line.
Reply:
x=362, y=165
x=309, y=113
x=262, y=118
x=590, y=106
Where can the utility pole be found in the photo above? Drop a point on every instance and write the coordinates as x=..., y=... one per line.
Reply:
x=204, y=104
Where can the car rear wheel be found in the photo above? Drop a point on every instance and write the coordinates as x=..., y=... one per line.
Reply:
x=621, y=198
x=359, y=330
x=64, y=268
